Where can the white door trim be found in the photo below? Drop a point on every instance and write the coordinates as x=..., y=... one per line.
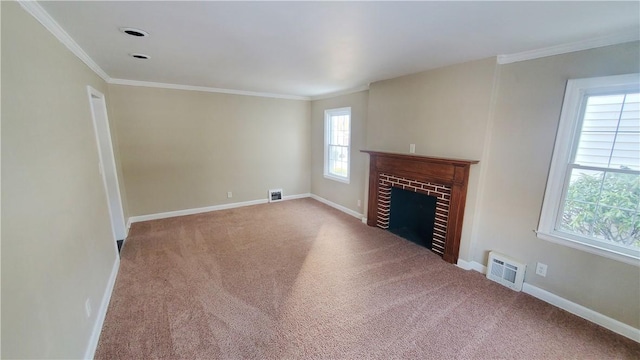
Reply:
x=107, y=165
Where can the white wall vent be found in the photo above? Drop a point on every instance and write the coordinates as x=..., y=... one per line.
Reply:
x=505, y=271
x=275, y=195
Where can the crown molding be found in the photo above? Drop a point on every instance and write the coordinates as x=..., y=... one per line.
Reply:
x=340, y=93
x=613, y=39
x=33, y=8
x=204, y=89
x=40, y=14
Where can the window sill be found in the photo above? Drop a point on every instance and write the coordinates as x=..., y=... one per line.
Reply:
x=608, y=253
x=338, y=179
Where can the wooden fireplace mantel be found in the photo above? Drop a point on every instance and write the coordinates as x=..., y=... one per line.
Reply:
x=449, y=172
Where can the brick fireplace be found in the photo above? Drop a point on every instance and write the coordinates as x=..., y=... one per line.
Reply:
x=445, y=179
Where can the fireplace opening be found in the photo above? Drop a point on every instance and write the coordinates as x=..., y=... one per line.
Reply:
x=412, y=216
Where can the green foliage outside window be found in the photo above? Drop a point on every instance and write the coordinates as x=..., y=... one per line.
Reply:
x=605, y=209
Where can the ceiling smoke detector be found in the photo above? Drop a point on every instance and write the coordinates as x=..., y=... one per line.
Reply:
x=140, y=56
x=134, y=32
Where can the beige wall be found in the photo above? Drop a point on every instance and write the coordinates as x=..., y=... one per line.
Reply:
x=343, y=194
x=526, y=117
x=506, y=116
x=182, y=149
x=444, y=112
x=57, y=246
x=186, y=149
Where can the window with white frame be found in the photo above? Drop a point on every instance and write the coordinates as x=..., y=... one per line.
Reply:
x=337, y=144
x=592, y=200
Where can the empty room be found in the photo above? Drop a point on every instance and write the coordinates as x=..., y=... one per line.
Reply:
x=320, y=180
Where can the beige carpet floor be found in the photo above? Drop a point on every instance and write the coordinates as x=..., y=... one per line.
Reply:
x=300, y=280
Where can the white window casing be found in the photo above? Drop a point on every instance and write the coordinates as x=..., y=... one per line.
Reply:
x=337, y=144
x=565, y=151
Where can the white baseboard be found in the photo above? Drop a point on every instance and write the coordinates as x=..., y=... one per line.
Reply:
x=472, y=265
x=298, y=196
x=127, y=228
x=364, y=220
x=583, y=312
x=336, y=206
x=170, y=214
x=564, y=304
x=102, y=312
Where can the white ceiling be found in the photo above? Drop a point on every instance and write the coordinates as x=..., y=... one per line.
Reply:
x=316, y=48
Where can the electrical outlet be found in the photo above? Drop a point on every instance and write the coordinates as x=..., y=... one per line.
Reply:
x=541, y=269
x=87, y=307
x=412, y=148
x=359, y=203
x=229, y=194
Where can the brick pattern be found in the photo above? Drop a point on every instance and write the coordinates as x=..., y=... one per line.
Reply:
x=442, y=193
